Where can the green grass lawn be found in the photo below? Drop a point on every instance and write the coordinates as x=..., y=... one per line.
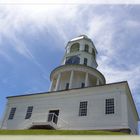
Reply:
x=58, y=132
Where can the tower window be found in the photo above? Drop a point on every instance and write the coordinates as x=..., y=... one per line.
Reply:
x=93, y=53
x=82, y=85
x=29, y=112
x=72, y=60
x=67, y=86
x=83, y=108
x=86, y=48
x=109, y=106
x=12, y=113
x=85, y=61
x=74, y=47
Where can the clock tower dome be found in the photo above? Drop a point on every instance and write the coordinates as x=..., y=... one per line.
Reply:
x=78, y=67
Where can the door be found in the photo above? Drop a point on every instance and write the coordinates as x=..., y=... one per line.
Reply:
x=53, y=116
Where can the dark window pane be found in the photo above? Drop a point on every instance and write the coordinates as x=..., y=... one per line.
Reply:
x=72, y=60
x=93, y=53
x=29, y=112
x=86, y=48
x=85, y=61
x=83, y=108
x=50, y=117
x=12, y=113
x=82, y=85
x=28, y=115
x=67, y=86
x=109, y=106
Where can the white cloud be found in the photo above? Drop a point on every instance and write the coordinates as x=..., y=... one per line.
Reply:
x=36, y=17
x=116, y=75
x=103, y=28
x=14, y=19
x=58, y=17
x=96, y=25
x=132, y=24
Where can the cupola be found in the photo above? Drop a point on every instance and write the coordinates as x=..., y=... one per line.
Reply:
x=78, y=67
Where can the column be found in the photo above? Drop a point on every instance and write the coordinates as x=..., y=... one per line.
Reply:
x=58, y=82
x=50, y=88
x=51, y=85
x=97, y=82
x=86, y=80
x=71, y=79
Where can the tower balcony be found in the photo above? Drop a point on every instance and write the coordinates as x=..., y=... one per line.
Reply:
x=75, y=76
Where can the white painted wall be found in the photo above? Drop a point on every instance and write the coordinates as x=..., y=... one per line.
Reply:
x=132, y=117
x=68, y=104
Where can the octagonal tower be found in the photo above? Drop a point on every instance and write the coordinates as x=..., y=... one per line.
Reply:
x=78, y=67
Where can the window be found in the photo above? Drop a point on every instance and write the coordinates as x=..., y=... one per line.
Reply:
x=72, y=60
x=93, y=53
x=67, y=86
x=53, y=116
x=85, y=61
x=86, y=48
x=29, y=112
x=74, y=47
x=12, y=113
x=82, y=85
x=109, y=106
x=83, y=108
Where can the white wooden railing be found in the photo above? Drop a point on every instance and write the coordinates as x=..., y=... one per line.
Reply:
x=52, y=121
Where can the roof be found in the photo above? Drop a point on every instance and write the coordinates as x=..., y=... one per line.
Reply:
x=65, y=90
x=79, y=37
x=79, y=66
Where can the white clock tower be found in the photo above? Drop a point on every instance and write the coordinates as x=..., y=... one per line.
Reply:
x=79, y=98
x=78, y=67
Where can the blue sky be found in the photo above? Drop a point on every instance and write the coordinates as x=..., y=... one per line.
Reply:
x=33, y=40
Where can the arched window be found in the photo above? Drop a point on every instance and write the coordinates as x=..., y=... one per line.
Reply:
x=75, y=47
x=86, y=48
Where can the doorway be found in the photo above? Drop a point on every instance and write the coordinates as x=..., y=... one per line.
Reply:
x=53, y=116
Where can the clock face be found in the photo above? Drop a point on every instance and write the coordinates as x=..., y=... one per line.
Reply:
x=73, y=60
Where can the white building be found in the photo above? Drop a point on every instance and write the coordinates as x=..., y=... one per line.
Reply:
x=79, y=98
